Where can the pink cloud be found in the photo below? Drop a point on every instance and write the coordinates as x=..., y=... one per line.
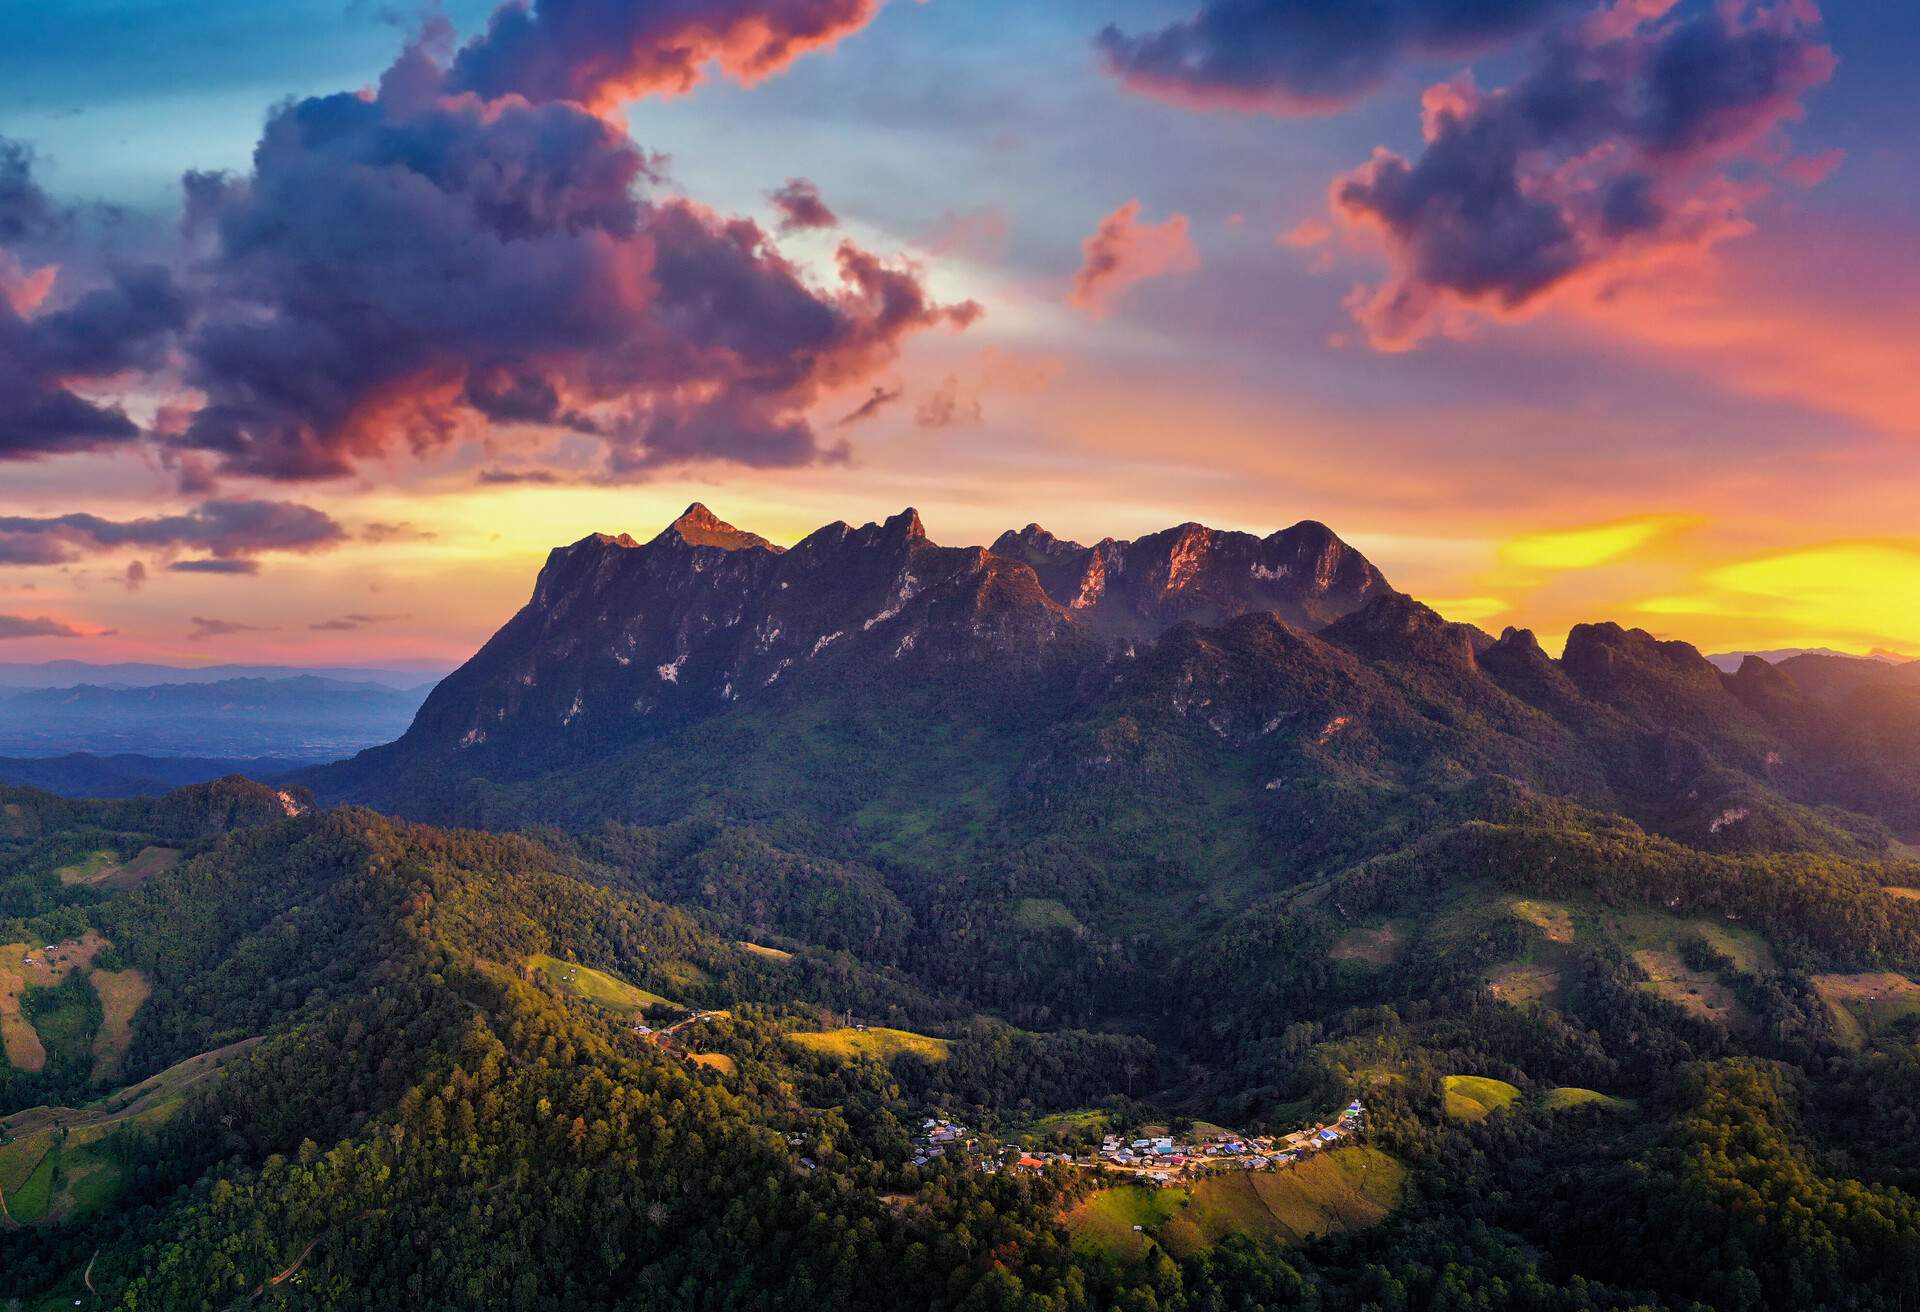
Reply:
x=1124, y=252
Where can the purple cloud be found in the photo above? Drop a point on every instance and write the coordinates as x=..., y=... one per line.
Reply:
x=1296, y=57
x=801, y=208
x=410, y=268
x=1611, y=153
x=226, y=530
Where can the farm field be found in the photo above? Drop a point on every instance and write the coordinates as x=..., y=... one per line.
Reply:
x=1866, y=1005
x=122, y=993
x=104, y=869
x=24, y=966
x=762, y=950
x=596, y=986
x=1476, y=1097
x=54, y=1162
x=874, y=1042
x=1702, y=994
x=1345, y=1189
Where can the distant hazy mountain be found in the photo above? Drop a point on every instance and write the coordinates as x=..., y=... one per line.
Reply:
x=69, y=674
x=82, y=774
x=1729, y=661
x=305, y=717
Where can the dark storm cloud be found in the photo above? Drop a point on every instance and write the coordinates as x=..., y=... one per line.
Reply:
x=1303, y=56
x=225, y=530
x=403, y=269
x=1614, y=148
x=25, y=210
x=801, y=208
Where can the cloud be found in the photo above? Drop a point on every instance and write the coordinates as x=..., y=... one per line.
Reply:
x=349, y=623
x=226, y=530
x=1632, y=142
x=402, y=531
x=496, y=254
x=879, y=399
x=51, y=354
x=204, y=628
x=135, y=576
x=24, y=626
x=602, y=53
x=1124, y=251
x=516, y=477
x=801, y=208
x=215, y=566
x=1301, y=57
x=949, y=406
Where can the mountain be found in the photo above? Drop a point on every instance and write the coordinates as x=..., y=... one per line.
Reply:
x=779, y=862
x=70, y=673
x=1196, y=574
x=632, y=659
x=302, y=717
x=1730, y=661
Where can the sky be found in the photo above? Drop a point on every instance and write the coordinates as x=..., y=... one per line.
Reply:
x=322, y=322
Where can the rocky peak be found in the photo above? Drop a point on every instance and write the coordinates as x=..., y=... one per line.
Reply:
x=1137, y=589
x=700, y=527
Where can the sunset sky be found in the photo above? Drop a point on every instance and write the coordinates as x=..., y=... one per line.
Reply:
x=320, y=325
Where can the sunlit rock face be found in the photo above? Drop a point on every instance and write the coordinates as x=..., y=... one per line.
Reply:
x=1304, y=574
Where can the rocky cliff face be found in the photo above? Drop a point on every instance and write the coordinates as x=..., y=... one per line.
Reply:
x=1138, y=589
x=705, y=615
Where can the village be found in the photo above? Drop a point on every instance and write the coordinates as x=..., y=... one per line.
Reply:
x=1160, y=1160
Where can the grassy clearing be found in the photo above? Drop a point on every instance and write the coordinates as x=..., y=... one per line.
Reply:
x=884, y=1044
x=1911, y=894
x=1701, y=994
x=122, y=993
x=90, y=868
x=115, y=874
x=1040, y=914
x=57, y=1164
x=1476, y=1097
x=715, y=1061
x=595, y=986
x=1867, y=1005
x=762, y=950
x=1550, y=918
x=1519, y=983
x=1568, y=1097
x=27, y=965
x=1346, y=1189
x=1076, y=1122
x=1379, y=945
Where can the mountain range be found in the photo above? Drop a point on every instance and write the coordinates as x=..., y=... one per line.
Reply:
x=739, y=923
